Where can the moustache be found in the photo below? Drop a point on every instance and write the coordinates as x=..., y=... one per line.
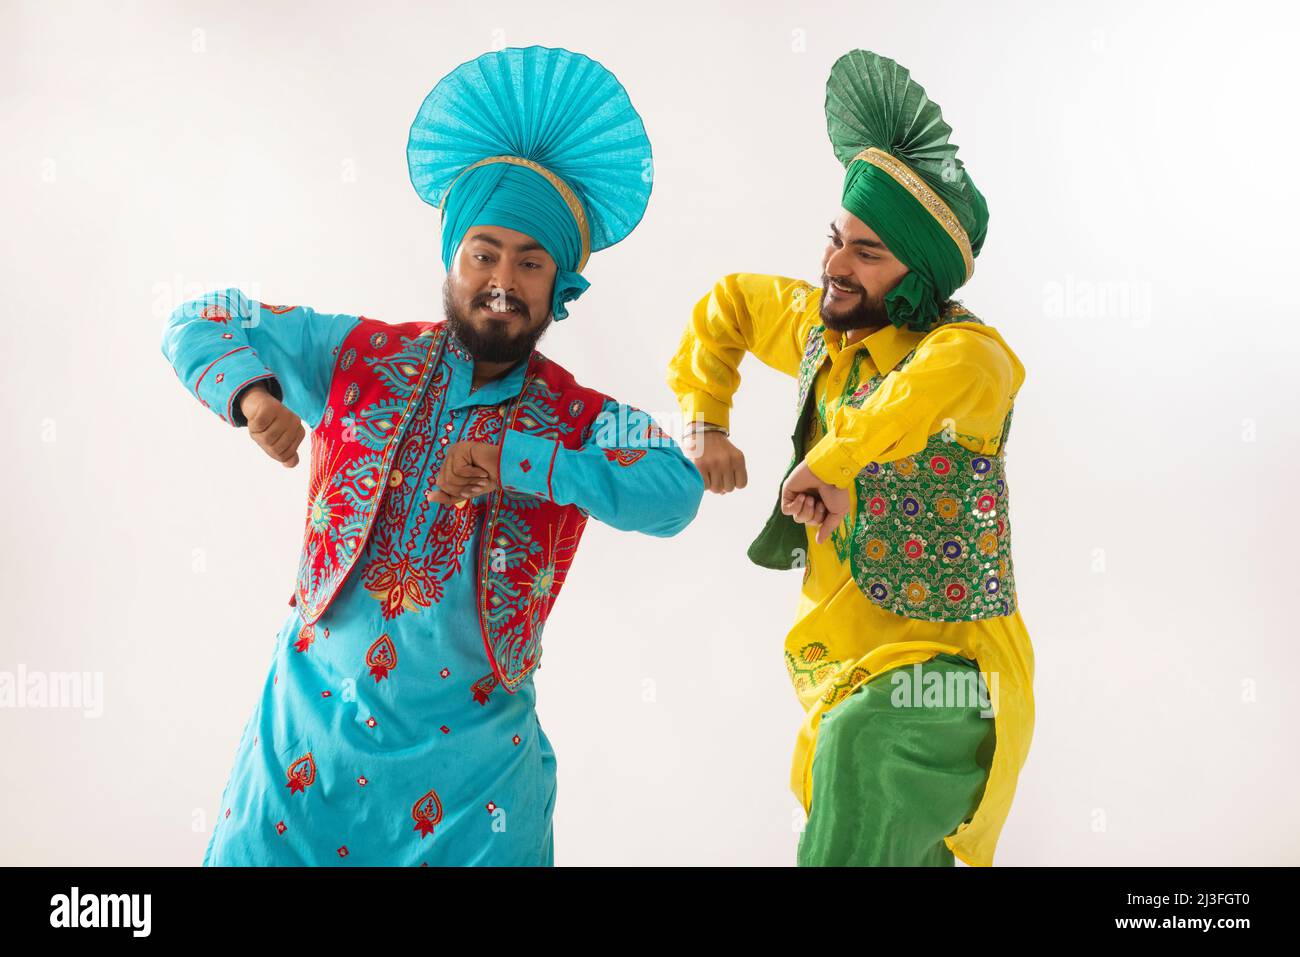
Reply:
x=487, y=299
x=852, y=287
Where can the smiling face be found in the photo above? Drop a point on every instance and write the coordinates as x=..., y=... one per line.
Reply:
x=857, y=271
x=497, y=296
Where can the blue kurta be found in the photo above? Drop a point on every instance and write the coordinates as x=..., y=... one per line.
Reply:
x=384, y=740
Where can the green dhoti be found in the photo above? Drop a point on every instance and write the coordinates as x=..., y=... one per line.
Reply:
x=899, y=766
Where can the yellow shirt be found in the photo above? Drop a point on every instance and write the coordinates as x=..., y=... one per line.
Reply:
x=963, y=379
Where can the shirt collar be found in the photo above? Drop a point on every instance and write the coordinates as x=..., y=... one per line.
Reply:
x=887, y=345
x=503, y=387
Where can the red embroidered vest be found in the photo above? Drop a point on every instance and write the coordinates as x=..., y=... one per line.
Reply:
x=527, y=544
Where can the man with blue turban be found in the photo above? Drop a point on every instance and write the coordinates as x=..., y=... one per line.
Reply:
x=453, y=470
x=908, y=651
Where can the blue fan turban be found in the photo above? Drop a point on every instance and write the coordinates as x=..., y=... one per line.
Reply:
x=483, y=123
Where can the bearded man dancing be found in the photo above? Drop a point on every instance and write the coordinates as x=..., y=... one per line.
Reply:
x=453, y=469
x=908, y=651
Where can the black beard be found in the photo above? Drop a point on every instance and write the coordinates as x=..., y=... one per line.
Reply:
x=494, y=345
x=866, y=314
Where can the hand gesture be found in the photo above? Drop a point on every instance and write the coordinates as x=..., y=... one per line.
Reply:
x=720, y=463
x=810, y=501
x=469, y=469
x=272, y=425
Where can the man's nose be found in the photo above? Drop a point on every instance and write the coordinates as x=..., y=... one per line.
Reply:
x=838, y=264
x=503, y=277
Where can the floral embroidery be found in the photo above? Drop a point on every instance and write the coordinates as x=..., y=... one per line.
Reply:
x=412, y=562
x=359, y=501
x=350, y=455
x=928, y=537
x=427, y=812
x=529, y=543
x=811, y=667
x=625, y=456
x=844, y=685
x=302, y=774
x=484, y=687
x=381, y=657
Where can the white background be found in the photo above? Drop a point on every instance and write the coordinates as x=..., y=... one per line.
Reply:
x=1139, y=164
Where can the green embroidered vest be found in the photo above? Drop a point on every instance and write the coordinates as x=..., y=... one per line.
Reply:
x=929, y=537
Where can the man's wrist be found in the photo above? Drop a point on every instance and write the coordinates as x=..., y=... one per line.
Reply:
x=701, y=426
x=248, y=390
x=270, y=386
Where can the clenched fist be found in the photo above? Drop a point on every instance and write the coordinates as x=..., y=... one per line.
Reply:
x=271, y=425
x=470, y=469
x=810, y=501
x=721, y=464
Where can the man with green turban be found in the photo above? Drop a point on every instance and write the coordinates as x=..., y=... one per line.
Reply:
x=908, y=651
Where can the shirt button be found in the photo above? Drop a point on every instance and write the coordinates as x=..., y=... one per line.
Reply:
x=394, y=478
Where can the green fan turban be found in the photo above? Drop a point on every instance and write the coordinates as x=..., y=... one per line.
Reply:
x=903, y=179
